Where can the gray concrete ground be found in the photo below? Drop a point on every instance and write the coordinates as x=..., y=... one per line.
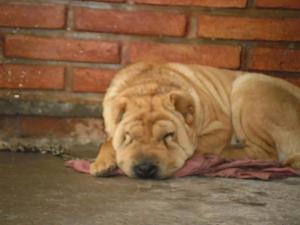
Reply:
x=37, y=189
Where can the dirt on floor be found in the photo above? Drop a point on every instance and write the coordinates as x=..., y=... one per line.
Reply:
x=37, y=189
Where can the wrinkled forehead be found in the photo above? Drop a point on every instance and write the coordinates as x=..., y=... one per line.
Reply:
x=147, y=115
x=146, y=103
x=153, y=124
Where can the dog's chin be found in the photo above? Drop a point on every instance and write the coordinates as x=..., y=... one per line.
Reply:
x=147, y=169
x=160, y=175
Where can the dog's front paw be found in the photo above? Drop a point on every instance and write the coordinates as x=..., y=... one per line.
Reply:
x=102, y=169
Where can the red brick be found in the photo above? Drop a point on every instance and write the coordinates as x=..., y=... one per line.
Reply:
x=204, y=3
x=17, y=76
x=289, y=4
x=212, y=55
x=130, y=22
x=33, y=16
x=61, y=49
x=1, y=41
x=274, y=59
x=92, y=80
x=228, y=27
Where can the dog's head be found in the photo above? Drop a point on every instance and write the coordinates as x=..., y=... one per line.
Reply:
x=153, y=135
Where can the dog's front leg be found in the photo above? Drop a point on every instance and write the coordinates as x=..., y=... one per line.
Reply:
x=105, y=161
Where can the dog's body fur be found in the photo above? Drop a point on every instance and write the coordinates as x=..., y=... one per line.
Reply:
x=197, y=109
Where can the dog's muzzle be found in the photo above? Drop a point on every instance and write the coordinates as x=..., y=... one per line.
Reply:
x=145, y=170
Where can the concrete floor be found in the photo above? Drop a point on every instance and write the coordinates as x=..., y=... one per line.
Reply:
x=37, y=189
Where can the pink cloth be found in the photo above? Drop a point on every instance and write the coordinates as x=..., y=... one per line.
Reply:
x=214, y=166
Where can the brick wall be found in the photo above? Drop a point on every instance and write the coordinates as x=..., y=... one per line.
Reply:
x=57, y=57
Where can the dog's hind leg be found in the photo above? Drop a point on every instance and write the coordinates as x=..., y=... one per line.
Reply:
x=289, y=147
x=266, y=114
x=293, y=161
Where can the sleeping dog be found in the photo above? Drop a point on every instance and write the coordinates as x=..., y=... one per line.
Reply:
x=158, y=115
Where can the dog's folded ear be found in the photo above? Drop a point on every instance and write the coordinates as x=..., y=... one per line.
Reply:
x=119, y=109
x=184, y=104
x=113, y=114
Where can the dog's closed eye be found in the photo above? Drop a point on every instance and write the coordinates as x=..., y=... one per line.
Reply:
x=127, y=139
x=168, y=137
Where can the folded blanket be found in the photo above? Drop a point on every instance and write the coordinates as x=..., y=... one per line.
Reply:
x=214, y=166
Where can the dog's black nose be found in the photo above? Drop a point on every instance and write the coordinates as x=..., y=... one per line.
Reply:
x=145, y=170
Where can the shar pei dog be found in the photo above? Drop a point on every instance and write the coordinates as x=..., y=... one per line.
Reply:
x=157, y=115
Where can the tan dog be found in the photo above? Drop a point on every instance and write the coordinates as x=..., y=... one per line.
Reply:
x=158, y=115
